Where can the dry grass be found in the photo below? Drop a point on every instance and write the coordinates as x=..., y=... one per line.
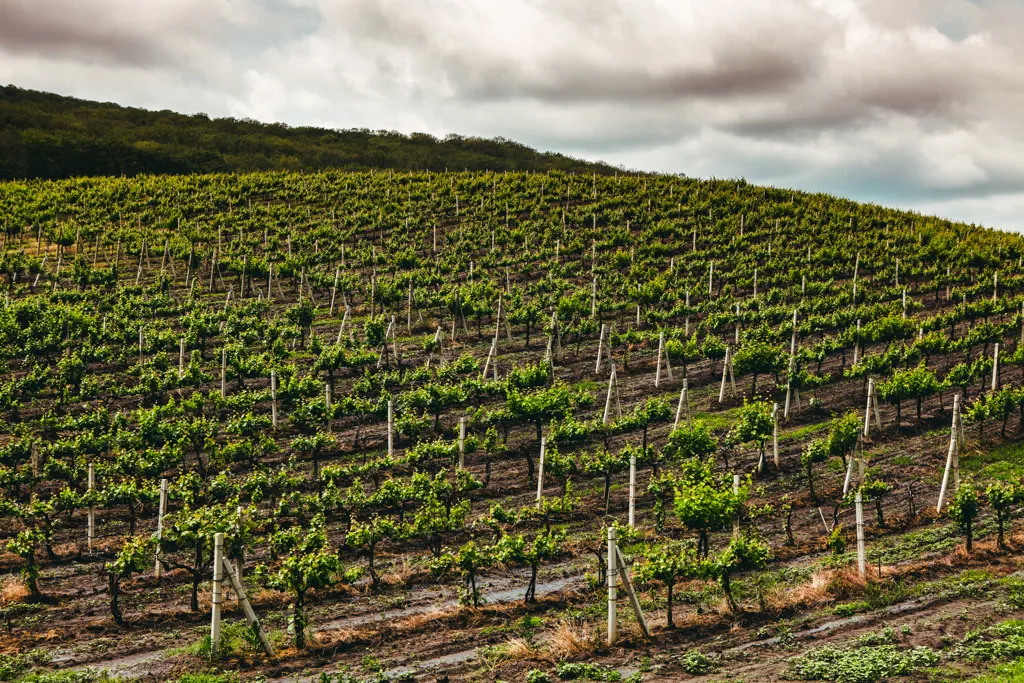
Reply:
x=401, y=574
x=692, y=620
x=268, y=597
x=519, y=648
x=573, y=638
x=12, y=589
x=845, y=582
x=810, y=594
x=9, y=560
x=67, y=549
x=417, y=621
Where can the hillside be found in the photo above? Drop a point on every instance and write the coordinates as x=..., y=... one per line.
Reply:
x=414, y=404
x=50, y=136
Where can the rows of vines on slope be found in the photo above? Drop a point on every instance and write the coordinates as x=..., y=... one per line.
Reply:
x=122, y=297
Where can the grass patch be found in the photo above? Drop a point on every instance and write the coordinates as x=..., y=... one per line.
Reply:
x=1003, y=673
x=718, y=421
x=916, y=544
x=804, y=432
x=1005, y=462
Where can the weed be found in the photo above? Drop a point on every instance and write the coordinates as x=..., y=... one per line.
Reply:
x=372, y=664
x=1003, y=673
x=12, y=666
x=229, y=677
x=865, y=664
x=581, y=671
x=1002, y=641
x=848, y=609
x=696, y=663
x=1014, y=585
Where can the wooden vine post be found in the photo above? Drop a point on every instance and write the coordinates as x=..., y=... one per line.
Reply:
x=995, y=367
x=462, y=443
x=613, y=390
x=222, y=568
x=540, y=470
x=391, y=428
x=956, y=440
x=273, y=398
x=618, y=571
x=736, y=517
x=775, y=434
x=662, y=355
x=727, y=374
x=91, y=531
x=632, y=491
x=858, y=456
x=871, y=407
x=158, y=569
x=341, y=327
x=215, y=600
x=684, y=406
x=861, y=554
x=856, y=344
x=791, y=392
x=603, y=348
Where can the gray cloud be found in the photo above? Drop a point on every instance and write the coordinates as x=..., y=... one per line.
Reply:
x=69, y=30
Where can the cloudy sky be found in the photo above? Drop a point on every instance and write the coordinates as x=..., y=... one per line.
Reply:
x=914, y=103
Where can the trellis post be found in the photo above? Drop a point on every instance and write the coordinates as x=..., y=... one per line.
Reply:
x=273, y=398
x=632, y=491
x=161, y=511
x=462, y=443
x=736, y=517
x=684, y=406
x=250, y=614
x=540, y=470
x=613, y=391
x=92, y=510
x=391, y=428
x=613, y=617
x=861, y=554
x=952, y=455
x=215, y=600
x=775, y=434
x=995, y=367
x=727, y=374
x=871, y=407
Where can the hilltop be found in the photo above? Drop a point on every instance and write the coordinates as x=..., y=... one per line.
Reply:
x=49, y=136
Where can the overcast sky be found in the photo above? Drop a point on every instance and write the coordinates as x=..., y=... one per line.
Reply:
x=913, y=103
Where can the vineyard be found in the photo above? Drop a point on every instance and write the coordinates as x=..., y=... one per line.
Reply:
x=405, y=412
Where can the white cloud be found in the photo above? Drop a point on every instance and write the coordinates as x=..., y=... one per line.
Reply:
x=913, y=103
